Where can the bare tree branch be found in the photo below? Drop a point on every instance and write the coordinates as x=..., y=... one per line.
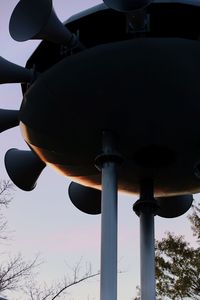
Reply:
x=6, y=189
x=13, y=272
x=74, y=283
x=16, y=272
x=37, y=292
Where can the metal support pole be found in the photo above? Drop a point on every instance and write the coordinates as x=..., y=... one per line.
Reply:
x=146, y=208
x=108, y=161
x=109, y=233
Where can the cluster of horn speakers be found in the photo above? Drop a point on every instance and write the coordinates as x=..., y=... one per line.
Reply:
x=19, y=163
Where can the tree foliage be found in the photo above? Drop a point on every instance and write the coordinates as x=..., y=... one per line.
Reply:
x=195, y=221
x=178, y=264
x=177, y=268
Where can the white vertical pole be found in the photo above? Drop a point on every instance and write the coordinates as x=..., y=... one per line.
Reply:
x=108, y=161
x=109, y=233
x=146, y=208
x=147, y=255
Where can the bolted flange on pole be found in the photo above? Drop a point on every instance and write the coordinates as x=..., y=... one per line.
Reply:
x=147, y=202
x=146, y=208
x=109, y=152
x=107, y=162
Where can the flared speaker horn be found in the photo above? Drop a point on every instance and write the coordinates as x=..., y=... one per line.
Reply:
x=172, y=207
x=8, y=119
x=127, y=5
x=86, y=199
x=23, y=168
x=36, y=19
x=12, y=73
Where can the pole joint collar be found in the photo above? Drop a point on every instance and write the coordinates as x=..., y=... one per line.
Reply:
x=146, y=206
x=103, y=158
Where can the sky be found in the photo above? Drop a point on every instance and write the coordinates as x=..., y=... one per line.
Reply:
x=45, y=221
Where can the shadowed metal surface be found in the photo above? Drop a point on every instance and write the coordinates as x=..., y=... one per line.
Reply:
x=145, y=90
x=24, y=24
x=127, y=5
x=172, y=207
x=23, y=168
x=12, y=73
x=86, y=199
x=8, y=119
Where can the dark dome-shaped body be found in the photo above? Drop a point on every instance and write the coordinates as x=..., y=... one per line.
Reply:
x=146, y=90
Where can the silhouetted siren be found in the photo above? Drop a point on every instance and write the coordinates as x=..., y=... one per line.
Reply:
x=12, y=73
x=36, y=19
x=171, y=207
x=23, y=168
x=8, y=119
x=86, y=199
x=127, y=5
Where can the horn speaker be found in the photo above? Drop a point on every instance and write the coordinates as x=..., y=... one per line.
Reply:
x=36, y=19
x=12, y=73
x=86, y=199
x=172, y=207
x=8, y=119
x=23, y=168
x=127, y=5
